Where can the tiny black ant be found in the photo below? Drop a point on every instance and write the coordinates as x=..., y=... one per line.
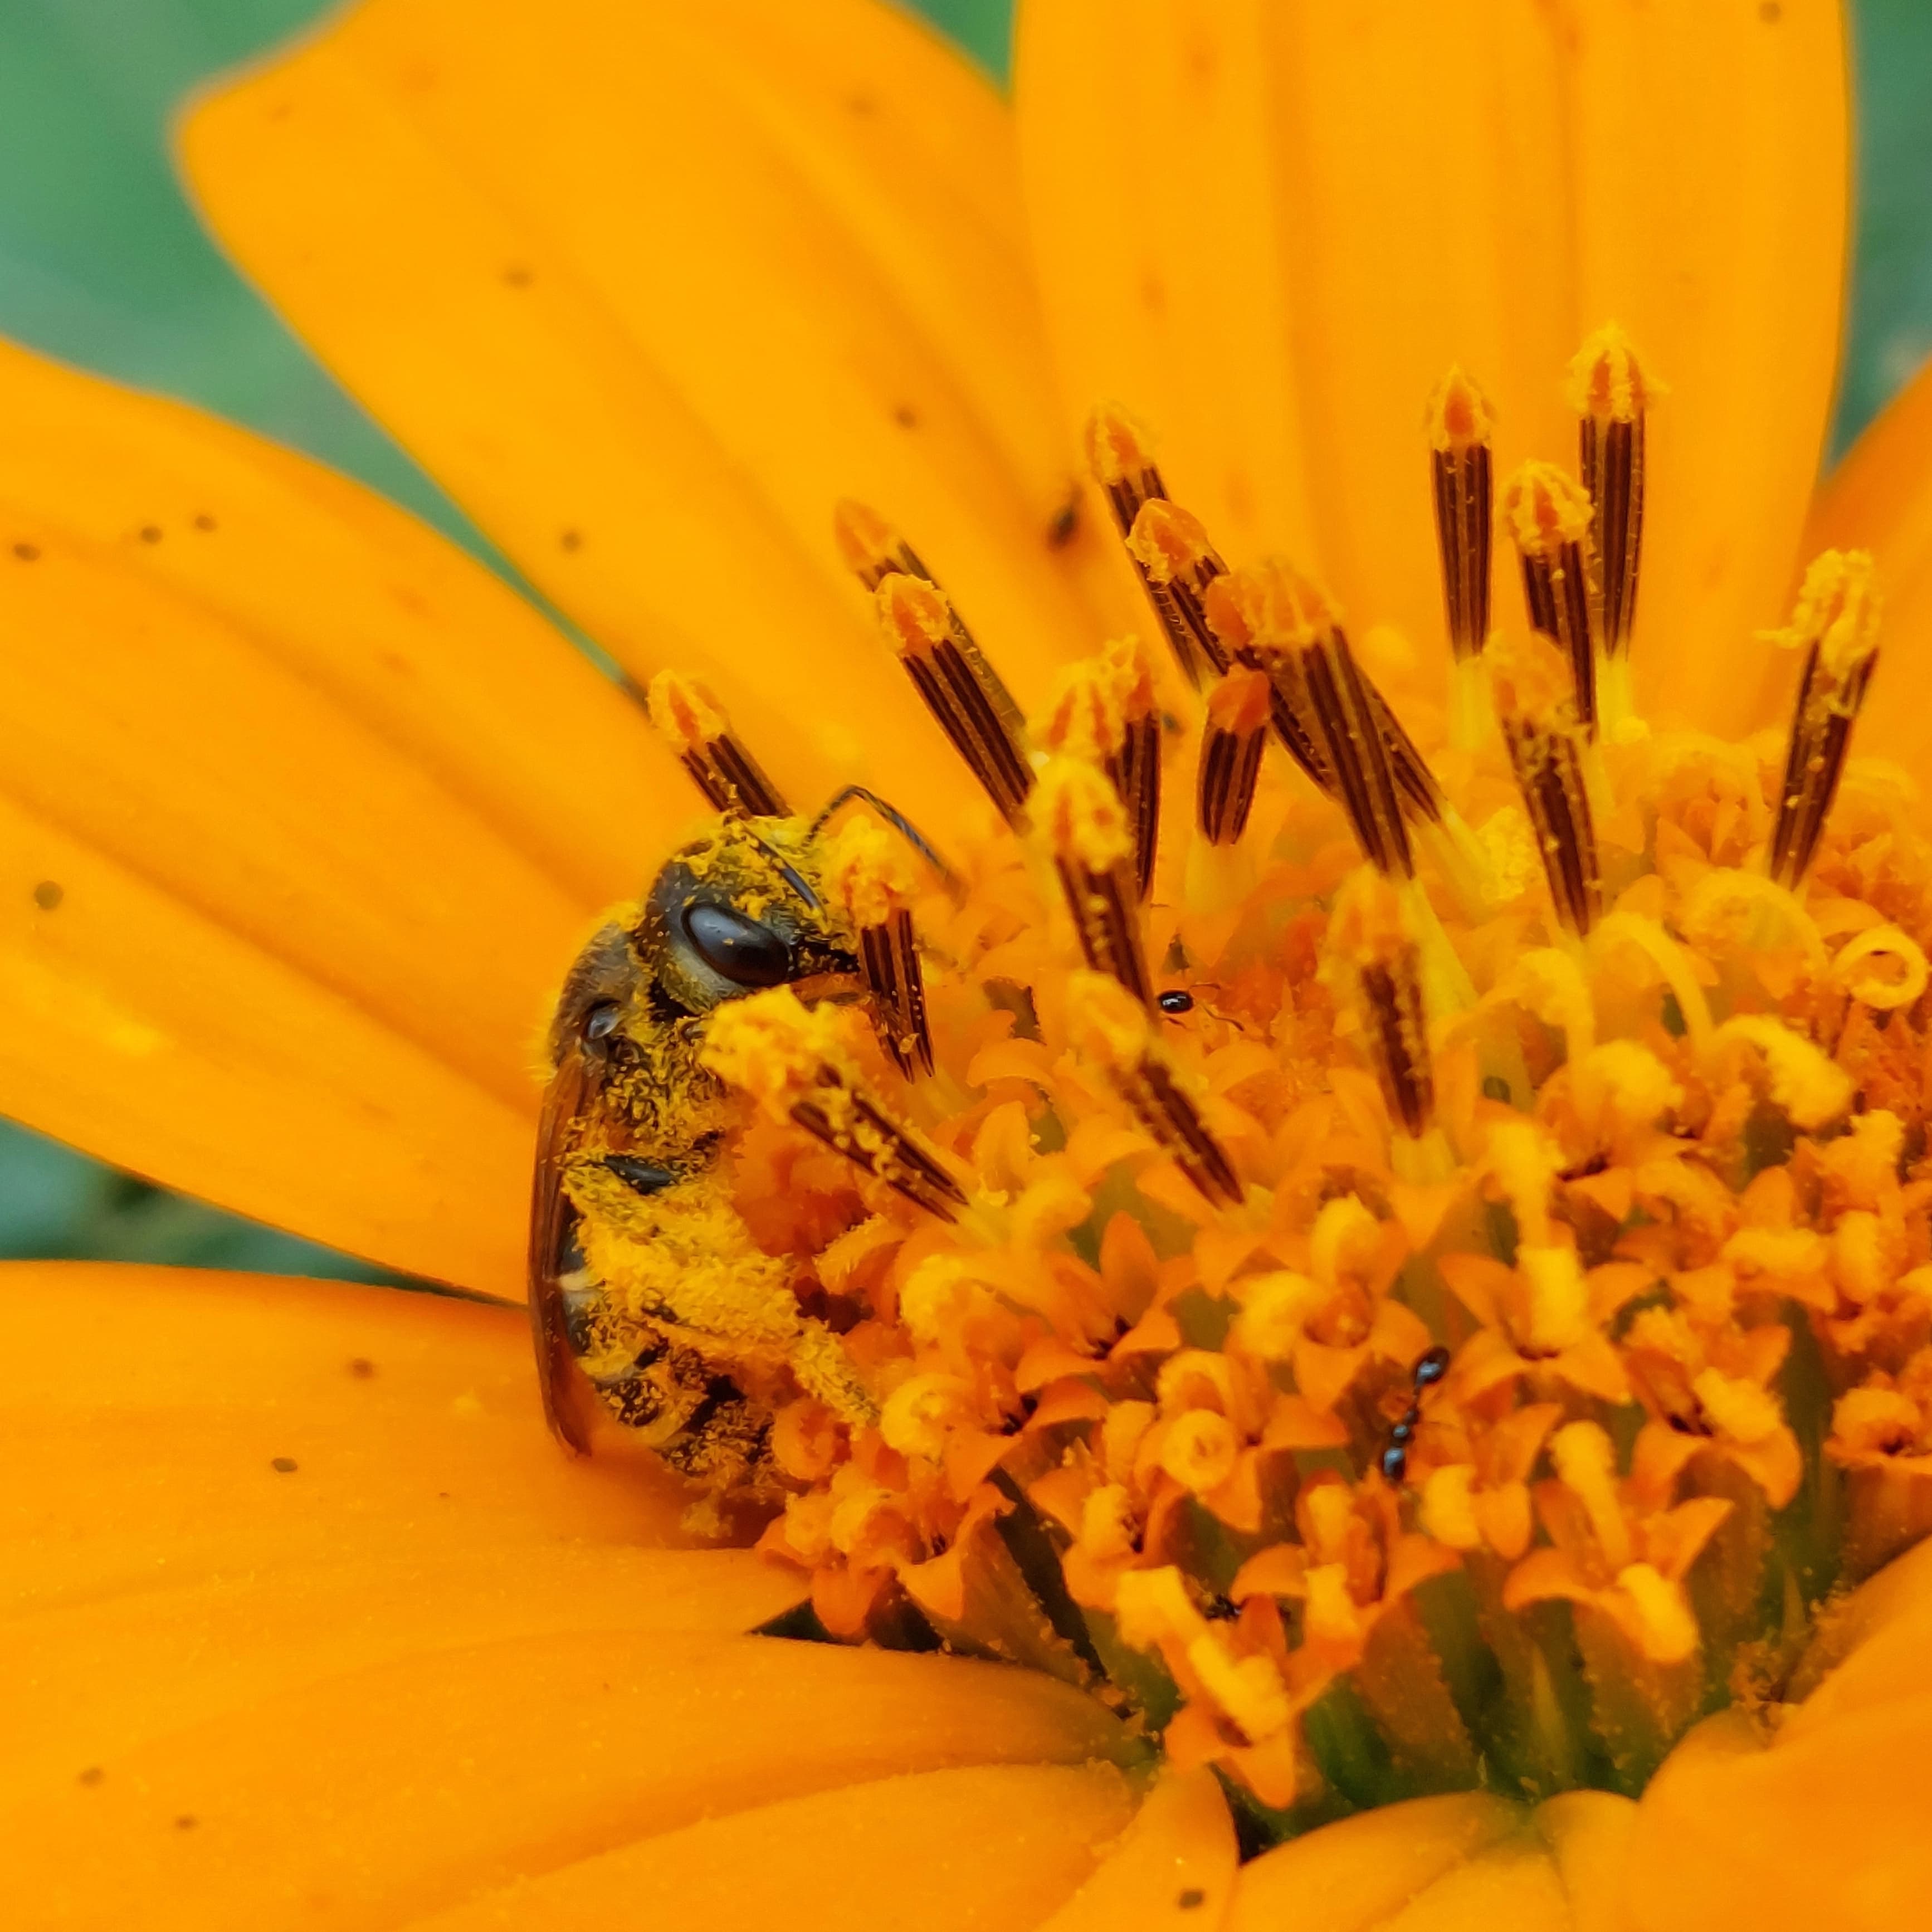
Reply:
x=1430, y=1367
x=1176, y=1001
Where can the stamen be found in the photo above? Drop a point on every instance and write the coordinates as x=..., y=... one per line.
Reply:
x=788, y=1058
x=1538, y=717
x=872, y=550
x=1103, y=710
x=1836, y=625
x=1369, y=938
x=1610, y=393
x=694, y=724
x=866, y=876
x=1113, y=1032
x=1178, y=561
x=1121, y=462
x=1086, y=829
x=960, y=689
x=1231, y=742
x=1550, y=518
x=1277, y=606
x=1459, y=437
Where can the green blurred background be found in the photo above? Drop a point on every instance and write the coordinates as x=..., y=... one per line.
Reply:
x=102, y=262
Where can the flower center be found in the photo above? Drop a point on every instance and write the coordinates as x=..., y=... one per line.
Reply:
x=1407, y=1273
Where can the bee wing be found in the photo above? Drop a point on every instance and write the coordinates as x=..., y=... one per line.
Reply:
x=551, y=1217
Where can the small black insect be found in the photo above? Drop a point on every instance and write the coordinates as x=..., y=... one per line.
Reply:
x=1176, y=1001
x=1430, y=1367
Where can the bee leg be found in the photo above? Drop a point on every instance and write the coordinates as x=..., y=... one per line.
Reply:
x=824, y=1369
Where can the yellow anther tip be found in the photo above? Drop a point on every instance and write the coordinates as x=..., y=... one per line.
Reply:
x=1369, y=925
x=1838, y=609
x=1133, y=669
x=685, y=713
x=866, y=541
x=1076, y=806
x=1545, y=508
x=1239, y=703
x=1085, y=716
x=1607, y=378
x=1108, y=1023
x=1270, y=603
x=1167, y=541
x=915, y=614
x=1530, y=678
x=1118, y=448
x=1459, y=415
x=866, y=872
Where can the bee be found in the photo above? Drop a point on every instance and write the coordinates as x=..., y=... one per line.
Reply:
x=645, y=1282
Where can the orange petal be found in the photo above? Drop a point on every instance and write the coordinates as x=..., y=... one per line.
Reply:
x=149, y=1033
x=1355, y=1875
x=1514, y=1884
x=142, y=1410
x=649, y=294
x=394, y=1792
x=357, y=599
x=1828, y=1829
x=1173, y=1869
x=1880, y=498
x=1270, y=230
x=1589, y=1834
x=979, y=1850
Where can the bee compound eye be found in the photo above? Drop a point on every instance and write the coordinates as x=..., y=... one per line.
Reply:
x=600, y=1021
x=736, y=946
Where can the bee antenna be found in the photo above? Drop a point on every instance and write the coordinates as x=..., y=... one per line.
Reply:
x=893, y=817
x=787, y=871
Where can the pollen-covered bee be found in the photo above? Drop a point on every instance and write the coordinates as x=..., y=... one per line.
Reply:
x=643, y=1274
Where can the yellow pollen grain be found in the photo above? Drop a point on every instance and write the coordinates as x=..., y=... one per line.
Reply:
x=1524, y=1161
x=1741, y=1410
x=1559, y=1304
x=1623, y=1084
x=867, y=543
x=1153, y=1604
x=1274, y=1309
x=1074, y=803
x=917, y=1414
x=1109, y=1025
x=1199, y=1450
x=1086, y=716
x=1810, y=1086
x=1107, y=1522
x=1585, y=1462
x=1330, y=1616
x=915, y=615
x=1131, y=665
x=1168, y=541
x=686, y=715
x=1607, y=379
x=1249, y=1690
x=1882, y=967
x=1837, y=610
x=1270, y=603
x=1118, y=448
x=1532, y=679
x=1459, y=415
x=1545, y=508
x=771, y=1046
x=1370, y=926
x=1665, y=1631
x=866, y=872
x=1448, y=1507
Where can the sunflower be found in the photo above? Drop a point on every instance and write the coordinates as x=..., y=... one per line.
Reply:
x=1403, y=1301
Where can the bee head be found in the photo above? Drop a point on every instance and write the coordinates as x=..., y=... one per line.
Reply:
x=737, y=912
